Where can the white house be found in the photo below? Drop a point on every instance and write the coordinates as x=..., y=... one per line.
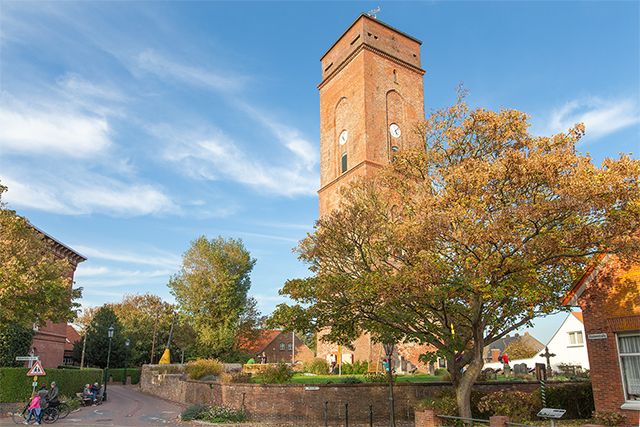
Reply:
x=568, y=344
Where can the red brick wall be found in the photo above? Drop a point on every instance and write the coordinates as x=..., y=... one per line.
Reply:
x=612, y=295
x=292, y=402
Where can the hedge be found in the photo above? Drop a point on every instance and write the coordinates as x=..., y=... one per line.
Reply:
x=15, y=386
x=117, y=375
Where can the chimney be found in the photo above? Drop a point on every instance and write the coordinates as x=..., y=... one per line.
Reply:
x=495, y=353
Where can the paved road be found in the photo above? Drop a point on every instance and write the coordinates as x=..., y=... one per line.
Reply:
x=126, y=407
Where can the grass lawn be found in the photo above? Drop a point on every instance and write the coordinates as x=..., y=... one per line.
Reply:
x=336, y=379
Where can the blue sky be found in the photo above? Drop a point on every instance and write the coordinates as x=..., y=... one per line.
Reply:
x=127, y=129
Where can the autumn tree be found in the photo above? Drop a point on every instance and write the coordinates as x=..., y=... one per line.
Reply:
x=520, y=349
x=34, y=282
x=465, y=240
x=211, y=290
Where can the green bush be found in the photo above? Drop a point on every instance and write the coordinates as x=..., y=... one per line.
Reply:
x=223, y=414
x=609, y=419
x=276, y=374
x=15, y=386
x=376, y=377
x=357, y=368
x=203, y=367
x=193, y=412
x=169, y=369
x=235, y=377
x=577, y=399
x=443, y=403
x=118, y=374
x=317, y=366
x=517, y=405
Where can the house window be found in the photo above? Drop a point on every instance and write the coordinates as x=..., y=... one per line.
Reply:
x=281, y=346
x=576, y=338
x=629, y=350
x=343, y=163
x=289, y=346
x=442, y=362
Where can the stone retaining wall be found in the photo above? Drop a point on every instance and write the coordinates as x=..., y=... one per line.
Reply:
x=306, y=404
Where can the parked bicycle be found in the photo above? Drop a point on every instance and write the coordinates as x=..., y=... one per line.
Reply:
x=49, y=415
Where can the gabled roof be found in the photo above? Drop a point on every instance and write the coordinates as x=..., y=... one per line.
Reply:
x=72, y=337
x=504, y=342
x=571, y=298
x=578, y=315
x=260, y=343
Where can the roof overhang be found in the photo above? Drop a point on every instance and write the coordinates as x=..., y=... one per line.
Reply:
x=590, y=274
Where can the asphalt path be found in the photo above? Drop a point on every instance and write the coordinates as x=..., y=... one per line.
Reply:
x=126, y=407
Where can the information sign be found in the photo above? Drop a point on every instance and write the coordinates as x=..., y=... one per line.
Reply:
x=551, y=413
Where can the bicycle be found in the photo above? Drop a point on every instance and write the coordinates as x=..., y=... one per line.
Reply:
x=63, y=409
x=48, y=415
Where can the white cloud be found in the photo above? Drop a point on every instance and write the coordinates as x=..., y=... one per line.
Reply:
x=75, y=192
x=217, y=156
x=52, y=130
x=600, y=117
x=155, y=258
x=157, y=64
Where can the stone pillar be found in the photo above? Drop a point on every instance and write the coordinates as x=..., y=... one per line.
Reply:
x=427, y=418
x=498, y=421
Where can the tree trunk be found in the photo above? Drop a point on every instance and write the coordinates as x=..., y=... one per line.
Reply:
x=465, y=384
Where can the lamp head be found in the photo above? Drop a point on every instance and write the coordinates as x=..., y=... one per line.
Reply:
x=110, y=331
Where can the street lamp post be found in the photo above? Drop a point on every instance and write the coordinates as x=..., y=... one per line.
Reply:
x=106, y=372
x=126, y=360
x=388, y=349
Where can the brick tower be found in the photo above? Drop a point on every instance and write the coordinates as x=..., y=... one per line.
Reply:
x=371, y=97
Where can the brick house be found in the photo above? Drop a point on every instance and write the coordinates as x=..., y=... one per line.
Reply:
x=72, y=337
x=49, y=340
x=277, y=346
x=609, y=295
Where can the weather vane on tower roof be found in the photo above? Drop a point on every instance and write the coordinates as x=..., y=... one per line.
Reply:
x=373, y=12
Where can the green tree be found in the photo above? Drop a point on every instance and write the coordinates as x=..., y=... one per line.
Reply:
x=142, y=317
x=34, y=283
x=211, y=291
x=97, y=339
x=15, y=340
x=461, y=242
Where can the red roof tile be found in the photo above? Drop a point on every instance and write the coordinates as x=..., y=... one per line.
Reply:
x=257, y=346
x=72, y=337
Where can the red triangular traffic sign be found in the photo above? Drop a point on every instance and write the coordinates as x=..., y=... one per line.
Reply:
x=36, y=370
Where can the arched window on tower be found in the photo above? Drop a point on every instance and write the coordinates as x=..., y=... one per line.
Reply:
x=343, y=162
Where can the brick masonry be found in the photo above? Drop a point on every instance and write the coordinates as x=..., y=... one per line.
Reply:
x=302, y=404
x=610, y=304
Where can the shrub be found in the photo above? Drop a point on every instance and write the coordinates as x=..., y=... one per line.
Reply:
x=193, y=412
x=443, y=403
x=376, y=377
x=317, y=366
x=440, y=372
x=169, y=369
x=609, y=418
x=223, y=414
x=351, y=380
x=72, y=402
x=577, y=399
x=276, y=374
x=517, y=405
x=15, y=386
x=356, y=368
x=203, y=367
x=234, y=377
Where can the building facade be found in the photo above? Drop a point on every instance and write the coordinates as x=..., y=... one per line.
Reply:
x=275, y=346
x=371, y=101
x=609, y=295
x=49, y=340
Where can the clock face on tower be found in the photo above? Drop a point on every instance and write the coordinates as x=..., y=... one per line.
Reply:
x=344, y=135
x=394, y=130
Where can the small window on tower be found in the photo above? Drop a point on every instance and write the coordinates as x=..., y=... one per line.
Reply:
x=343, y=163
x=395, y=76
x=281, y=346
